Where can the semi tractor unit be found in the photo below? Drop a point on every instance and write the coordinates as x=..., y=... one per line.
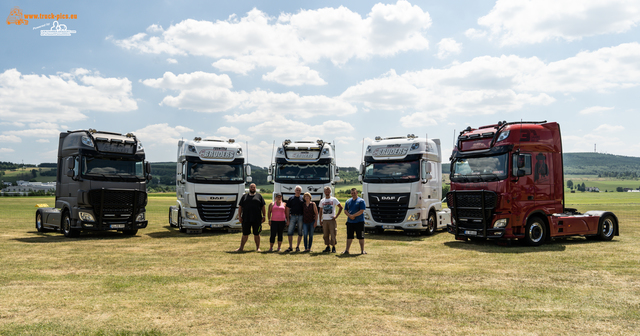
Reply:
x=309, y=164
x=101, y=184
x=210, y=180
x=507, y=183
x=402, y=185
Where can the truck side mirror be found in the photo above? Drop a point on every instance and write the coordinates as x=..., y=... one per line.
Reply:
x=269, y=178
x=521, y=172
x=361, y=169
x=247, y=170
x=521, y=162
x=249, y=179
x=71, y=163
x=147, y=167
x=270, y=170
x=70, y=173
x=149, y=177
x=337, y=179
x=360, y=178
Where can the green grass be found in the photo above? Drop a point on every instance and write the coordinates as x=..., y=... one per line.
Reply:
x=162, y=282
x=12, y=176
x=602, y=183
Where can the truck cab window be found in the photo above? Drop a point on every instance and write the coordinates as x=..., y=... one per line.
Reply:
x=523, y=161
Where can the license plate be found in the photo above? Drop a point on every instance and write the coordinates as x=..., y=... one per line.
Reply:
x=216, y=225
x=388, y=227
x=117, y=226
x=470, y=233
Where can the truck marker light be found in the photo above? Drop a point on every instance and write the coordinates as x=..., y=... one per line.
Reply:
x=503, y=136
x=191, y=215
x=415, y=146
x=140, y=217
x=87, y=141
x=192, y=149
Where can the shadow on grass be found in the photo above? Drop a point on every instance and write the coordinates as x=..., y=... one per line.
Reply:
x=173, y=232
x=399, y=235
x=55, y=237
x=497, y=246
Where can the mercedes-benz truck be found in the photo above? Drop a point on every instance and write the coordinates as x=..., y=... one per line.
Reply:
x=101, y=184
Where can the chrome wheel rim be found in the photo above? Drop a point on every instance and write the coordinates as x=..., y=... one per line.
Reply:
x=536, y=232
x=38, y=221
x=607, y=227
x=432, y=224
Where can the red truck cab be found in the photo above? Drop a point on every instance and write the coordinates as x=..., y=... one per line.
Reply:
x=507, y=182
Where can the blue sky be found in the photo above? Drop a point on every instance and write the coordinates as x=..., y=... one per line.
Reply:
x=260, y=72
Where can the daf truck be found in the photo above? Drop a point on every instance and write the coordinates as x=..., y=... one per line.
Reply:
x=309, y=164
x=507, y=183
x=402, y=185
x=101, y=184
x=210, y=181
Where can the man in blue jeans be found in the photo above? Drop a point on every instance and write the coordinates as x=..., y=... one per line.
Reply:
x=293, y=211
x=354, y=208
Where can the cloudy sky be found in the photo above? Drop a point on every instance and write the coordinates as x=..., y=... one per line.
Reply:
x=265, y=71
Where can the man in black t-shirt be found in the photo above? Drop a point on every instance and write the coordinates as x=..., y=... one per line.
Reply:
x=251, y=213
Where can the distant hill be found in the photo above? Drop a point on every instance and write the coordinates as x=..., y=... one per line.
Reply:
x=606, y=165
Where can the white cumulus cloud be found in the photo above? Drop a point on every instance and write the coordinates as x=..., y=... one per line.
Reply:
x=294, y=76
x=61, y=97
x=525, y=22
x=9, y=138
x=596, y=110
x=448, y=47
x=294, y=128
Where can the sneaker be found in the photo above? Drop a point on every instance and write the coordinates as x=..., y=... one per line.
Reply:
x=333, y=249
x=327, y=250
x=289, y=250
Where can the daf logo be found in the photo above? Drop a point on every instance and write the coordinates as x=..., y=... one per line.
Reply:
x=216, y=198
x=388, y=198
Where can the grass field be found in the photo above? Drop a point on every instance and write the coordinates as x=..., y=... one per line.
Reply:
x=162, y=282
x=603, y=183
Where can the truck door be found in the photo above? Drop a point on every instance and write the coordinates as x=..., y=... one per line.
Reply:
x=523, y=191
x=542, y=180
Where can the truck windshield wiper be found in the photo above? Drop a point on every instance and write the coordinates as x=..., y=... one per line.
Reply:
x=490, y=177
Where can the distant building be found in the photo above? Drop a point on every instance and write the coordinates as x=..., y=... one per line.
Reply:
x=25, y=187
x=592, y=189
x=635, y=190
x=7, y=184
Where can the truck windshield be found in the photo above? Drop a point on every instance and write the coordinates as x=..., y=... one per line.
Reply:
x=309, y=173
x=480, y=169
x=111, y=169
x=222, y=173
x=392, y=172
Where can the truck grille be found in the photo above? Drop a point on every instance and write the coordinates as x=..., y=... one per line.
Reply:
x=216, y=211
x=392, y=211
x=108, y=203
x=472, y=209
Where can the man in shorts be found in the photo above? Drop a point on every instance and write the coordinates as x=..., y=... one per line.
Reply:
x=329, y=226
x=251, y=213
x=354, y=208
x=293, y=211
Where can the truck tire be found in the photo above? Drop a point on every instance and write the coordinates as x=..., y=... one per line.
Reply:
x=66, y=228
x=170, y=223
x=132, y=232
x=431, y=224
x=606, y=228
x=535, y=231
x=39, y=224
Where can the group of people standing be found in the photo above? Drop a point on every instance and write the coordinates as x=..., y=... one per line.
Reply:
x=301, y=213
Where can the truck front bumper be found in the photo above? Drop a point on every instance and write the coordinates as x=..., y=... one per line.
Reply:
x=406, y=225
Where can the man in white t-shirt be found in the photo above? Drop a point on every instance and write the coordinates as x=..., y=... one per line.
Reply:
x=329, y=226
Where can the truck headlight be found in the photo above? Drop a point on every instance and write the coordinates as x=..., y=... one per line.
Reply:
x=366, y=215
x=191, y=215
x=414, y=217
x=500, y=223
x=86, y=217
x=140, y=217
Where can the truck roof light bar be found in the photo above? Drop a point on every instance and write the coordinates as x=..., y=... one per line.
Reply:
x=378, y=138
x=232, y=140
x=197, y=139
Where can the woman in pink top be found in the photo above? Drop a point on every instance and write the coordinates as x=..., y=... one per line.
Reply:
x=277, y=220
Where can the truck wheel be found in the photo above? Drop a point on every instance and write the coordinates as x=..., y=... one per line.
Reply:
x=535, y=232
x=431, y=224
x=171, y=223
x=130, y=232
x=67, y=230
x=39, y=225
x=606, y=228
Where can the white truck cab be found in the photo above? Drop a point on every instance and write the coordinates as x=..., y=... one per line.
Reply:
x=309, y=164
x=402, y=185
x=210, y=180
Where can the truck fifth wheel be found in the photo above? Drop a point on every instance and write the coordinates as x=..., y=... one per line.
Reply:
x=507, y=182
x=101, y=184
